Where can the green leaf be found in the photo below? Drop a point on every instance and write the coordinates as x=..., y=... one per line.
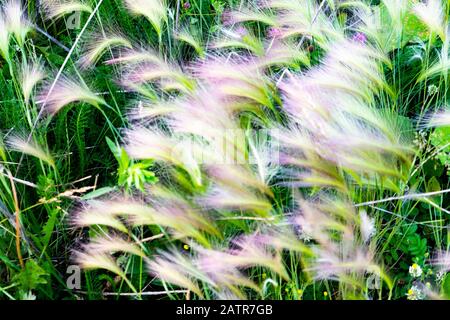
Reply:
x=8, y=262
x=440, y=139
x=115, y=149
x=445, y=287
x=412, y=29
x=97, y=193
x=433, y=185
x=31, y=276
x=49, y=227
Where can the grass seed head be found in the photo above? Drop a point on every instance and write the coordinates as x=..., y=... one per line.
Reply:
x=16, y=22
x=20, y=144
x=55, y=9
x=65, y=92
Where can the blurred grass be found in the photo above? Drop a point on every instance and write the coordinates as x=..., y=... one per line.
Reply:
x=77, y=138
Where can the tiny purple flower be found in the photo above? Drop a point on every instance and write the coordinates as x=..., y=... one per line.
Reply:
x=186, y=5
x=274, y=32
x=241, y=31
x=227, y=18
x=360, y=37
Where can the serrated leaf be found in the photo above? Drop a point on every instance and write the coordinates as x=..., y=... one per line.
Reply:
x=31, y=276
x=49, y=227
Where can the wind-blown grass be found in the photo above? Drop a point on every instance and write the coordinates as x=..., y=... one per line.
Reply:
x=255, y=150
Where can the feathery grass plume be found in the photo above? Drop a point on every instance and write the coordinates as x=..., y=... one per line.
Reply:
x=156, y=73
x=31, y=148
x=221, y=269
x=65, y=92
x=397, y=10
x=98, y=45
x=370, y=24
x=283, y=235
x=305, y=18
x=109, y=245
x=301, y=151
x=4, y=37
x=240, y=79
x=250, y=251
x=114, y=212
x=339, y=254
x=284, y=54
x=146, y=144
x=141, y=66
x=173, y=267
x=153, y=10
x=335, y=138
x=187, y=37
x=119, y=206
x=332, y=103
x=324, y=166
x=30, y=76
x=433, y=15
x=264, y=158
x=332, y=266
x=224, y=266
x=345, y=4
x=215, y=137
x=16, y=22
x=95, y=260
x=87, y=217
x=440, y=67
x=191, y=156
x=346, y=149
x=182, y=220
x=203, y=115
x=239, y=38
x=250, y=15
x=226, y=277
x=362, y=69
x=441, y=260
x=95, y=257
x=143, y=144
x=108, y=212
x=366, y=61
x=219, y=197
x=149, y=110
x=136, y=56
x=440, y=119
x=238, y=177
x=185, y=223
x=314, y=223
x=55, y=9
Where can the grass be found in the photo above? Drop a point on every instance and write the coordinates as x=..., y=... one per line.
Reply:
x=112, y=153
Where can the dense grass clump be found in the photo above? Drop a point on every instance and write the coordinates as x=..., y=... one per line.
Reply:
x=208, y=149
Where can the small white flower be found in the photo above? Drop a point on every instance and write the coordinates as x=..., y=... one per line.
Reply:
x=306, y=232
x=440, y=276
x=305, y=237
x=28, y=296
x=415, y=270
x=432, y=90
x=415, y=293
